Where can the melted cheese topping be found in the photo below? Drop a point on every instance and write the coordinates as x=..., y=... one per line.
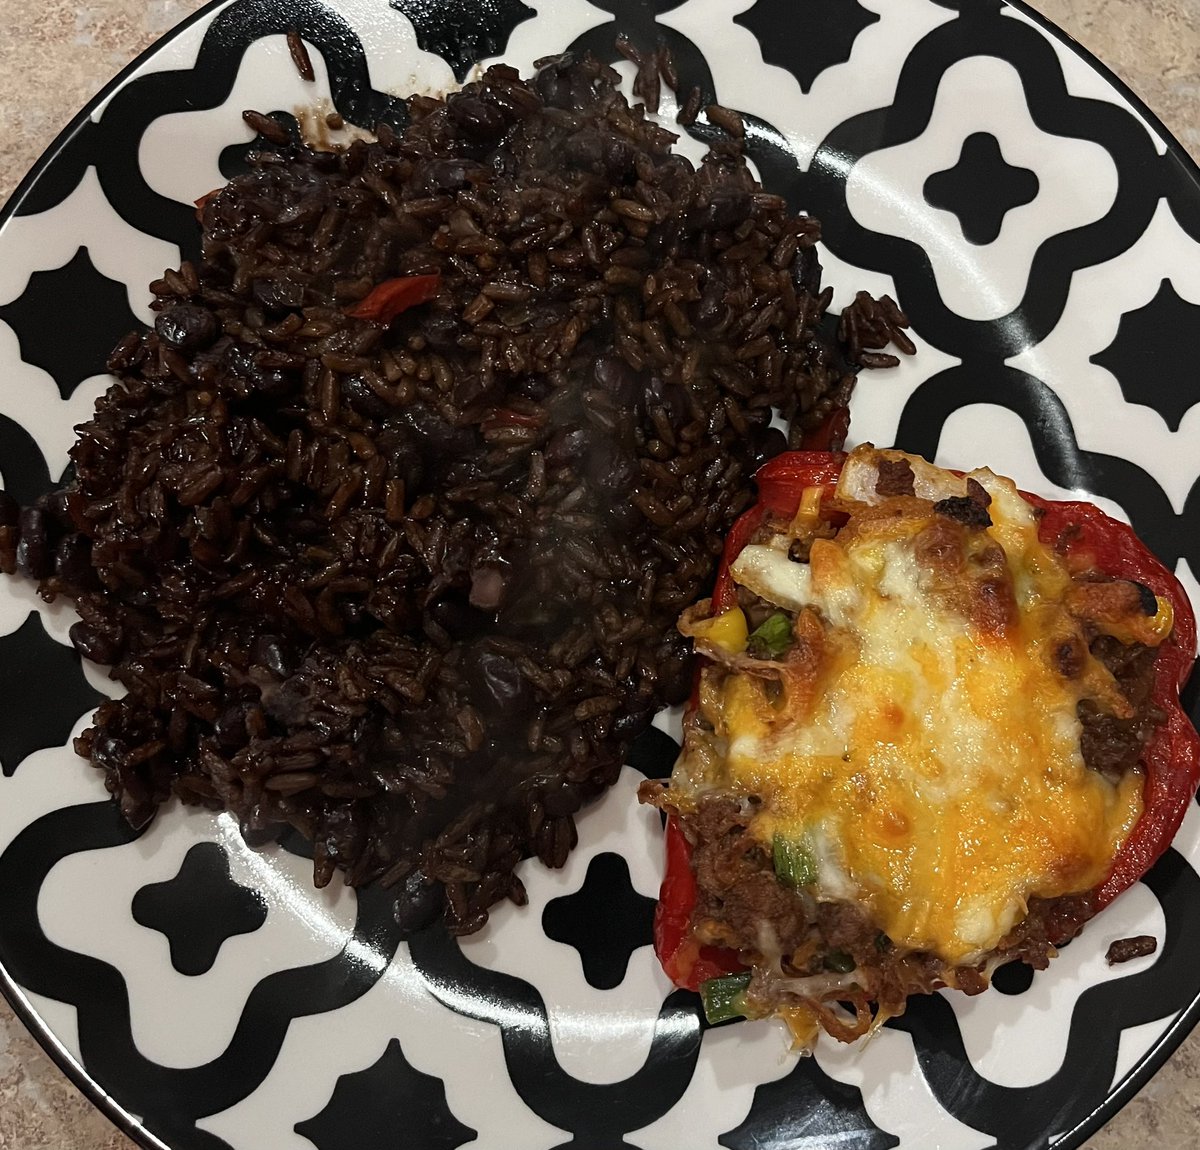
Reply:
x=935, y=772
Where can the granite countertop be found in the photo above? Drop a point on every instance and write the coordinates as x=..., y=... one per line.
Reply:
x=1153, y=45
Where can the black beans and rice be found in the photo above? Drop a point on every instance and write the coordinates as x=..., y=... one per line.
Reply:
x=405, y=576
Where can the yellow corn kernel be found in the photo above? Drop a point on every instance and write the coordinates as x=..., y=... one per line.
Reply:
x=727, y=630
x=1148, y=629
x=1161, y=622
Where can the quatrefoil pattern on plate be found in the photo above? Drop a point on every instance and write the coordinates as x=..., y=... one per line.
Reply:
x=1044, y=241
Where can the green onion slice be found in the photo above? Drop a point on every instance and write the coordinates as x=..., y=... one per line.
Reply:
x=771, y=638
x=725, y=997
x=794, y=862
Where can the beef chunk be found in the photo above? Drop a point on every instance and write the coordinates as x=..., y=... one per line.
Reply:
x=965, y=510
x=895, y=478
x=1110, y=745
x=1126, y=948
x=739, y=892
x=1069, y=656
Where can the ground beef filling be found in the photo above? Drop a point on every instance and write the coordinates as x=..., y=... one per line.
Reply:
x=742, y=905
x=1111, y=745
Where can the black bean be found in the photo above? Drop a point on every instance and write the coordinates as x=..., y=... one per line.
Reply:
x=668, y=396
x=440, y=441
x=675, y=673
x=564, y=799
x=271, y=652
x=35, y=559
x=54, y=505
x=363, y=399
x=449, y=174
x=711, y=308
x=618, y=157
x=461, y=620
x=186, y=327
x=401, y=449
x=230, y=728
x=255, y=837
x=615, y=376
x=73, y=560
x=482, y=122
x=567, y=446
x=555, y=88
x=419, y=902
x=611, y=468
x=724, y=208
x=806, y=271
x=768, y=443
x=278, y=294
x=268, y=382
x=498, y=685
x=93, y=644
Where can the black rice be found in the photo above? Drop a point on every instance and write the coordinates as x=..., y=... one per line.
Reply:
x=411, y=586
x=298, y=50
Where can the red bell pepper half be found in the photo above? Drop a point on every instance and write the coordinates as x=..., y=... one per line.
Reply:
x=387, y=300
x=1081, y=533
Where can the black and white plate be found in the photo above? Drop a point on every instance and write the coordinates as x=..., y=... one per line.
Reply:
x=1044, y=235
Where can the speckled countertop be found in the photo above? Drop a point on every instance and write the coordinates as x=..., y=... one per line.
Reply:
x=1153, y=45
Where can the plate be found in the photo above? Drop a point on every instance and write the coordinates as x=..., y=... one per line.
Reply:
x=1043, y=234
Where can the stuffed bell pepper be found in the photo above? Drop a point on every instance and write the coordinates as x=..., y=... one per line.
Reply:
x=936, y=728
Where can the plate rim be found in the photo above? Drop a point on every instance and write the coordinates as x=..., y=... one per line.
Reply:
x=1150, y=1063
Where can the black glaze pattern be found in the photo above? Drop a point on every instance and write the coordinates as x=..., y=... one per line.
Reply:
x=1026, y=1115
x=597, y=1115
x=462, y=33
x=169, y=1100
x=99, y=311
x=806, y=1107
x=200, y=909
x=112, y=143
x=982, y=188
x=1013, y=978
x=808, y=41
x=24, y=473
x=43, y=690
x=979, y=31
x=388, y=1104
x=1152, y=355
x=606, y=920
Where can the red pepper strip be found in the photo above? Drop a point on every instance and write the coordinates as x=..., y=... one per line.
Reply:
x=500, y=417
x=387, y=300
x=685, y=961
x=830, y=434
x=1171, y=758
x=1081, y=531
x=202, y=202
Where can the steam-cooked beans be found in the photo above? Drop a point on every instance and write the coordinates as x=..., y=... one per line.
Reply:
x=409, y=583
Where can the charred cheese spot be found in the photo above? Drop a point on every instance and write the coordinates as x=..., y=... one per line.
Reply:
x=933, y=754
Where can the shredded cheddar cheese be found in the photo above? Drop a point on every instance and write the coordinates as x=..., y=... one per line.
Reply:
x=930, y=747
